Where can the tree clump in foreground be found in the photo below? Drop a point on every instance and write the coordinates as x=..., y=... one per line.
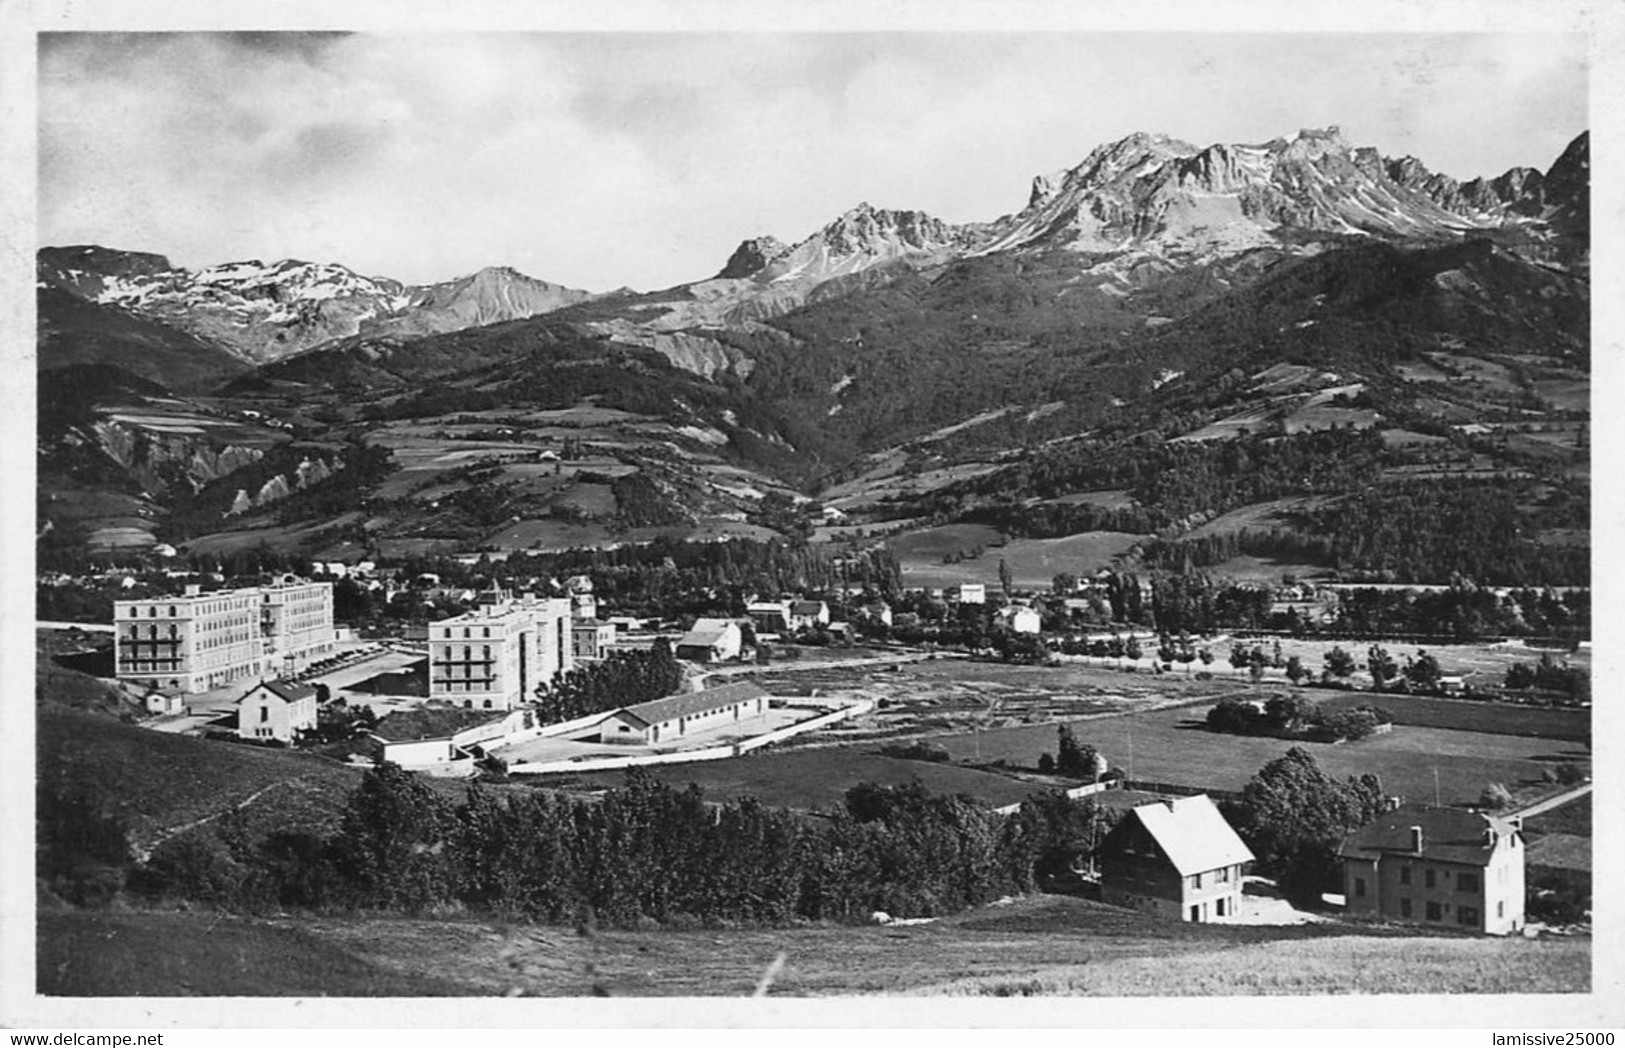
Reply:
x=644, y=852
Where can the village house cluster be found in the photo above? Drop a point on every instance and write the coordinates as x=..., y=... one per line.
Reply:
x=1175, y=859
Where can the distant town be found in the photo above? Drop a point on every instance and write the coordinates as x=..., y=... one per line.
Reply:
x=475, y=672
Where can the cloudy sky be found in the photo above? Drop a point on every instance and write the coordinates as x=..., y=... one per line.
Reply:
x=598, y=160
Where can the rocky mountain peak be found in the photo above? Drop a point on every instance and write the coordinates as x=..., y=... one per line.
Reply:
x=1131, y=155
x=102, y=261
x=751, y=256
x=866, y=228
x=1314, y=143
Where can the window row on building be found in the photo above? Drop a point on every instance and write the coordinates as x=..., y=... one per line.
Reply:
x=214, y=639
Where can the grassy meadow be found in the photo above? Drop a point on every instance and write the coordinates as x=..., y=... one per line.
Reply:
x=1043, y=945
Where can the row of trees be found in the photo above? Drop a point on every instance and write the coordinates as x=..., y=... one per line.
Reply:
x=644, y=852
x=1199, y=603
x=1483, y=530
x=625, y=678
x=651, y=852
x=1172, y=482
x=1550, y=675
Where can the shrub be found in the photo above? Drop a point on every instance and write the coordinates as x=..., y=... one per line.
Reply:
x=1554, y=899
x=1495, y=797
x=918, y=751
x=1570, y=774
x=195, y=865
x=1352, y=724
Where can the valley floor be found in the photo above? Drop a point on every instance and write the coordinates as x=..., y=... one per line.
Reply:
x=1049, y=945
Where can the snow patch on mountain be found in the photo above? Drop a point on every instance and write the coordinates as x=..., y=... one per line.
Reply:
x=262, y=311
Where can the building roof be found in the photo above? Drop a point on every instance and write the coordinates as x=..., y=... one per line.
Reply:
x=590, y=624
x=1560, y=851
x=432, y=722
x=706, y=632
x=1192, y=833
x=808, y=607
x=286, y=690
x=695, y=702
x=1448, y=835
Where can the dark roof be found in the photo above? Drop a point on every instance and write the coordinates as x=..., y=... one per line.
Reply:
x=808, y=607
x=672, y=706
x=286, y=690
x=431, y=722
x=1560, y=851
x=1448, y=835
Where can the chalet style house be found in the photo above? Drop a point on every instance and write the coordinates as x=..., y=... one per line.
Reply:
x=1437, y=866
x=1177, y=859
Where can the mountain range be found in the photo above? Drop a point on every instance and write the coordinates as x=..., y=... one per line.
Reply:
x=1142, y=290
x=260, y=312
x=1145, y=198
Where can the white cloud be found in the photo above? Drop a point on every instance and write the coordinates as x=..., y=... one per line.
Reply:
x=642, y=159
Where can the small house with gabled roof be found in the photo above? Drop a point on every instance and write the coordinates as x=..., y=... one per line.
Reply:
x=1019, y=618
x=276, y=709
x=677, y=716
x=1177, y=859
x=711, y=640
x=769, y=616
x=808, y=614
x=1438, y=866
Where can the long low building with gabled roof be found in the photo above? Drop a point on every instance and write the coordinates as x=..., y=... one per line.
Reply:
x=676, y=716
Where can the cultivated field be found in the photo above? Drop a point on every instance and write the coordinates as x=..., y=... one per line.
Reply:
x=957, y=694
x=1174, y=746
x=1264, y=571
x=1116, y=498
x=930, y=545
x=1259, y=516
x=1033, y=563
x=922, y=699
x=1459, y=714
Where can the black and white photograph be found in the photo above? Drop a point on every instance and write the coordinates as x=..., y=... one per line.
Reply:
x=854, y=520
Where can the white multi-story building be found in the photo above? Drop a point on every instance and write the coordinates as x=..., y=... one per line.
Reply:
x=494, y=657
x=197, y=641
